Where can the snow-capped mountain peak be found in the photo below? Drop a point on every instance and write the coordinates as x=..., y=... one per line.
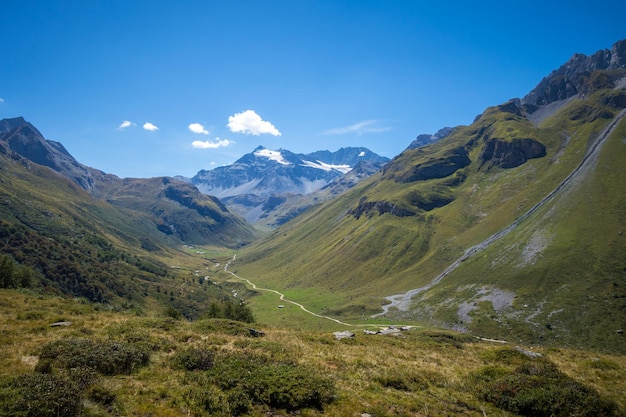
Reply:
x=258, y=177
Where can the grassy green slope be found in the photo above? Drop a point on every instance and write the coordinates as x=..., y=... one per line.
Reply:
x=179, y=209
x=357, y=261
x=69, y=243
x=564, y=266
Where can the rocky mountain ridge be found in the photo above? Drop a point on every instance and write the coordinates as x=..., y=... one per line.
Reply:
x=264, y=172
x=575, y=77
x=269, y=187
x=175, y=207
x=551, y=274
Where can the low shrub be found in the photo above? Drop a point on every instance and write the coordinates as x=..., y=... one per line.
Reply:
x=537, y=388
x=40, y=395
x=193, y=359
x=221, y=326
x=289, y=387
x=105, y=357
x=447, y=338
x=247, y=380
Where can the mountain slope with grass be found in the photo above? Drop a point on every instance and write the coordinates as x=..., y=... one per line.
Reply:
x=56, y=238
x=174, y=207
x=557, y=278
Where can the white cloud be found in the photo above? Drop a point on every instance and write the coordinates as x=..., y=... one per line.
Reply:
x=198, y=128
x=221, y=143
x=1, y=100
x=250, y=123
x=125, y=124
x=366, y=126
x=149, y=126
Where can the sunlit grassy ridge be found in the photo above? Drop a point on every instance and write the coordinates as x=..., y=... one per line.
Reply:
x=166, y=367
x=358, y=259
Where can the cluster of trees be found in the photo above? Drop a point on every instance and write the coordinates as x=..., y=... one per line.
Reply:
x=81, y=265
x=16, y=276
x=229, y=309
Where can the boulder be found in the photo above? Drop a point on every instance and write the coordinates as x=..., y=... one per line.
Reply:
x=343, y=335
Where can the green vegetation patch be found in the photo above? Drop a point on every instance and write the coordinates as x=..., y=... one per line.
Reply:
x=238, y=382
x=105, y=357
x=538, y=388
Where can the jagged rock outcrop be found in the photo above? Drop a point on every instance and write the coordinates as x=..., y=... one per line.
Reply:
x=510, y=154
x=369, y=208
x=426, y=139
x=575, y=77
x=437, y=167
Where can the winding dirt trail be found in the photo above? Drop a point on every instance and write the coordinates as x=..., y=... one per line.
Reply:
x=403, y=301
x=282, y=298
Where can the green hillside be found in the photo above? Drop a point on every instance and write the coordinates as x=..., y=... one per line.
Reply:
x=556, y=278
x=180, y=210
x=55, y=238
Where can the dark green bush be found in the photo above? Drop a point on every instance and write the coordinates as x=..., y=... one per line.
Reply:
x=40, y=395
x=447, y=338
x=193, y=359
x=537, y=388
x=248, y=380
x=289, y=387
x=105, y=357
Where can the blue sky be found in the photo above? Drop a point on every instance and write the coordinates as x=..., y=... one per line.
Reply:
x=151, y=88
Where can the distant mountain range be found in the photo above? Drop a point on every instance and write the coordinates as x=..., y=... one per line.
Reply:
x=265, y=182
x=174, y=207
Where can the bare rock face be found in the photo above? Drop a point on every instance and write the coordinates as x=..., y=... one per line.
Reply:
x=369, y=208
x=426, y=139
x=453, y=160
x=575, y=76
x=510, y=154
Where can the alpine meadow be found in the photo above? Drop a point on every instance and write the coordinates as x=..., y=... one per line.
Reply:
x=481, y=272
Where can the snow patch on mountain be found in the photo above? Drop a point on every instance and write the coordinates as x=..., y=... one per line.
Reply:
x=344, y=169
x=221, y=192
x=276, y=156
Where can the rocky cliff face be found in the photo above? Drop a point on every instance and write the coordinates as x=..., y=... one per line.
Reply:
x=368, y=208
x=575, y=76
x=510, y=154
x=436, y=167
x=426, y=139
